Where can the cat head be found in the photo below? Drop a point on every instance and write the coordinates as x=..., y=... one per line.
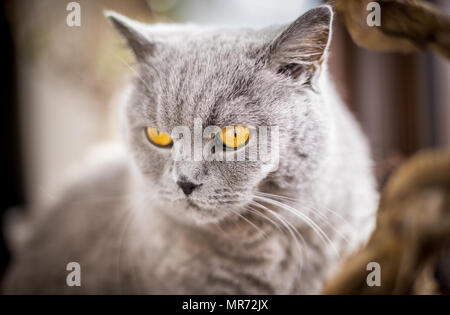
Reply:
x=217, y=90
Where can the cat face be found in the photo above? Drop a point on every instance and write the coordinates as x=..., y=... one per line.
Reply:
x=212, y=96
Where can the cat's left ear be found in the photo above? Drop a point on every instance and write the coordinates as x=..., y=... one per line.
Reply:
x=300, y=50
x=135, y=34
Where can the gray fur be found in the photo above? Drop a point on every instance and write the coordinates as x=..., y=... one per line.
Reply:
x=131, y=228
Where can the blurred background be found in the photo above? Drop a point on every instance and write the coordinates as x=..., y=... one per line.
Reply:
x=61, y=84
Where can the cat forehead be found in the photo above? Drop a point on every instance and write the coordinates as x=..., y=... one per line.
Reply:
x=207, y=51
x=214, y=98
x=211, y=80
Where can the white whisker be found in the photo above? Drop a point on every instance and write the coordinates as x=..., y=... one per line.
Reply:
x=248, y=221
x=322, y=235
x=316, y=211
x=295, y=234
x=263, y=216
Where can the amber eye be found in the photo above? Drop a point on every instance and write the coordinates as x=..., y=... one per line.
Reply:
x=234, y=136
x=158, y=138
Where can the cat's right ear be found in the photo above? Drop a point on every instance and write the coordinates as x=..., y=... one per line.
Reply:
x=134, y=33
x=301, y=48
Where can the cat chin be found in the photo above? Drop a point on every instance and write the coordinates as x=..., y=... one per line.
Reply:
x=190, y=212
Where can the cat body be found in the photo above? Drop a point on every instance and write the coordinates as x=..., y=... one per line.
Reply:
x=145, y=222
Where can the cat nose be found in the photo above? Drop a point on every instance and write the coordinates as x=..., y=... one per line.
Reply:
x=187, y=187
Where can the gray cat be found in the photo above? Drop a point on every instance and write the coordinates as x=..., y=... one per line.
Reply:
x=146, y=222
